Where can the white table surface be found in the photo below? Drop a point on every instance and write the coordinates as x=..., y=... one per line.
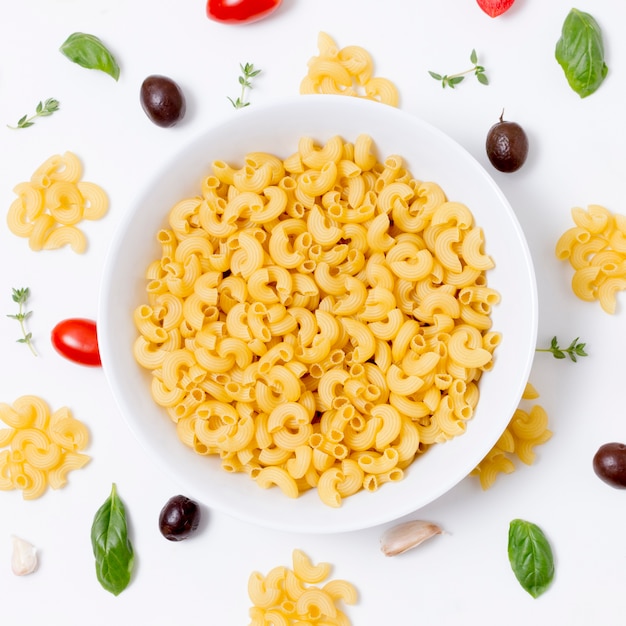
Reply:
x=576, y=158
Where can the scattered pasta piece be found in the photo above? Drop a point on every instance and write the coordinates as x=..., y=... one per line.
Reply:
x=348, y=72
x=42, y=447
x=49, y=206
x=318, y=322
x=525, y=431
x=596, y=249
x=296, y=596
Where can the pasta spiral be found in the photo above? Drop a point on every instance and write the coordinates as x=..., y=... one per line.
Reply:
x=347, y=71
x=525, y=431
x=596, y=250
x=41, y=446
x=296, y=595
x=49, y=206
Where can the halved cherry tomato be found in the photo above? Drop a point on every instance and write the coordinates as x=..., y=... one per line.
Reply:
x=76, y=339
x=240, y=11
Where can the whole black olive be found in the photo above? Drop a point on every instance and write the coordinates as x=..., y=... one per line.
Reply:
x=507, y=146
x=179, y=518
x=162, y=100
x=609, y=463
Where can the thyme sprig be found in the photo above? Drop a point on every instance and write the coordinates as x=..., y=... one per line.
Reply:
x=574, y=350
x=43, y=109
x=20, y=296
x=245, y=80
x=452, y=80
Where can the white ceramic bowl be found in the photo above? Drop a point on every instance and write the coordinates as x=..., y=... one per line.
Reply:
x=430, y=155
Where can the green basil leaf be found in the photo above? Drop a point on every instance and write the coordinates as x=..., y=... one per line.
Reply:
x=88, y=51
x=530, y=556
x=111, y=545
x=580, y=52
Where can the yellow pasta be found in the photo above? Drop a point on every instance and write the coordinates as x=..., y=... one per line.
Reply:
x=596, y=250
x=525, y=431
x=307, y=349
x=41, y=446
x=296, y=596
x=53, y=202
x=346, y=71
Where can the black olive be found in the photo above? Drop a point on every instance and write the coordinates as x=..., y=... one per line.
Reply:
x=162, y=100
x=179, y=518
x=507, y=146
x=609, y=463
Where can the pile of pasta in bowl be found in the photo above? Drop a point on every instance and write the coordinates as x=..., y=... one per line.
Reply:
x=318, y=321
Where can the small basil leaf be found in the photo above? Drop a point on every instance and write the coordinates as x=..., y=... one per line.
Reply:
x=580, y=52
x=530, y=556
x=111, y=545
x=88, y=51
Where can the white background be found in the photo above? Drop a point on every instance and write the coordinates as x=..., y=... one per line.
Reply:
x=576, y=158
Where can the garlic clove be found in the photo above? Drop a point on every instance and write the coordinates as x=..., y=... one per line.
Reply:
x=403, y=537
x=24, y=558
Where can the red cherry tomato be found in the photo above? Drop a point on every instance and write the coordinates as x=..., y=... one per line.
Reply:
x=240, y=11
x=76, y=339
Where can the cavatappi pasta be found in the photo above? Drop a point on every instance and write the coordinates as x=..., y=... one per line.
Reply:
x=39, y=447
x=347, y=71
x=596, y=250
x=299, y=595
x=526, y=430
x=318, y=321
x=49, y=206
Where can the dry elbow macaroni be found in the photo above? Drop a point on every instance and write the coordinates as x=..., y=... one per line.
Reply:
x=50, y=205
x=526, y=430
x=318, y=321
x=297, y=596
x=596, y=249
x=346, y=71
x=41, y=446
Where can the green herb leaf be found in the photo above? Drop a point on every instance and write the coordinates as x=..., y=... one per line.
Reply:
x=247, y=73
x=89, y=52
x=530, y=556
x=43, y=109
x=451, y=80
x=580, y=52
x=20, y=296
x=111, y=545
x=574, y=350
x=26, y=338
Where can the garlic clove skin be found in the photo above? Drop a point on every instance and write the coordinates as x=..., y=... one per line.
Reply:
x=408, y=535
x=24, y=558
